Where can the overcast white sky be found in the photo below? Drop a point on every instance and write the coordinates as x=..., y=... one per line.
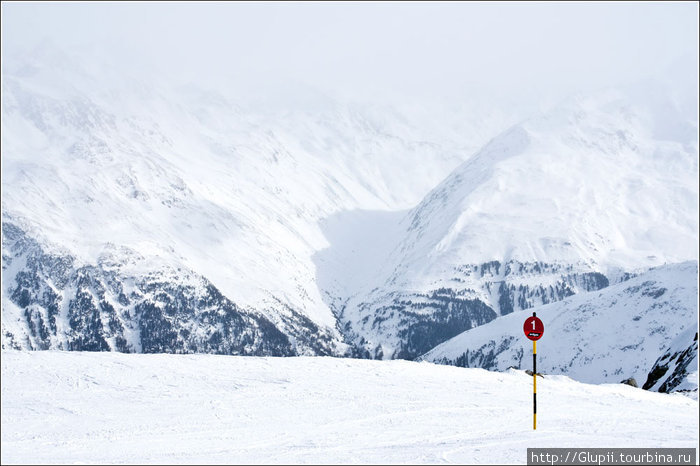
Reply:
x=400, y=47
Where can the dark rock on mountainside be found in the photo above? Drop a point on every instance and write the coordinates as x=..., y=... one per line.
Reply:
x=450, y=315
x=418, y=322
x=95, y=308
x=630, y=381
x=671, y=368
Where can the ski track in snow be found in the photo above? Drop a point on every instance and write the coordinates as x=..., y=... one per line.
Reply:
x=60, y=407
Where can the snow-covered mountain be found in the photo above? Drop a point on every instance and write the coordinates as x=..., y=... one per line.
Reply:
x=601, y=337
x=111, y=182
x=143, y=215
x=586, y=195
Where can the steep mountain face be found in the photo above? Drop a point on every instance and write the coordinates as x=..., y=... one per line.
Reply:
x=677, y=368
x=570, y=201
x=599, y=337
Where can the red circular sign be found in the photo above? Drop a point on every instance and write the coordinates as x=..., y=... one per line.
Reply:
x=533, y=328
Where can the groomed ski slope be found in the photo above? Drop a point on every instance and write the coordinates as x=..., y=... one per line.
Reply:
x=60, y=407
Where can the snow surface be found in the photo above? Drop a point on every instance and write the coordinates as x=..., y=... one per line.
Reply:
x=60, y=407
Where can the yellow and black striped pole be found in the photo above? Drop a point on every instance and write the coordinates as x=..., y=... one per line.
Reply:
x=534, y=329
x=534, y=384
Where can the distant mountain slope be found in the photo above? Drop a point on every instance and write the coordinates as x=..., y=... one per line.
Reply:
x=54, y=303
x=595, y=337
x=583, y=196
x=591, y=181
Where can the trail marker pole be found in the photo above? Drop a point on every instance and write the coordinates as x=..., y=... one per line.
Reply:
x=534, y=384
x=534, y=328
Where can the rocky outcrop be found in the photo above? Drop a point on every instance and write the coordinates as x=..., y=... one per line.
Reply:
x=63, y=305
x=670, y=372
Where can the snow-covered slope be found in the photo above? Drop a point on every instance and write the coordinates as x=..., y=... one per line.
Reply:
x=221, y=185
x=597, y=337
x=590, y=182
x=75, y=407
x=572, y=200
